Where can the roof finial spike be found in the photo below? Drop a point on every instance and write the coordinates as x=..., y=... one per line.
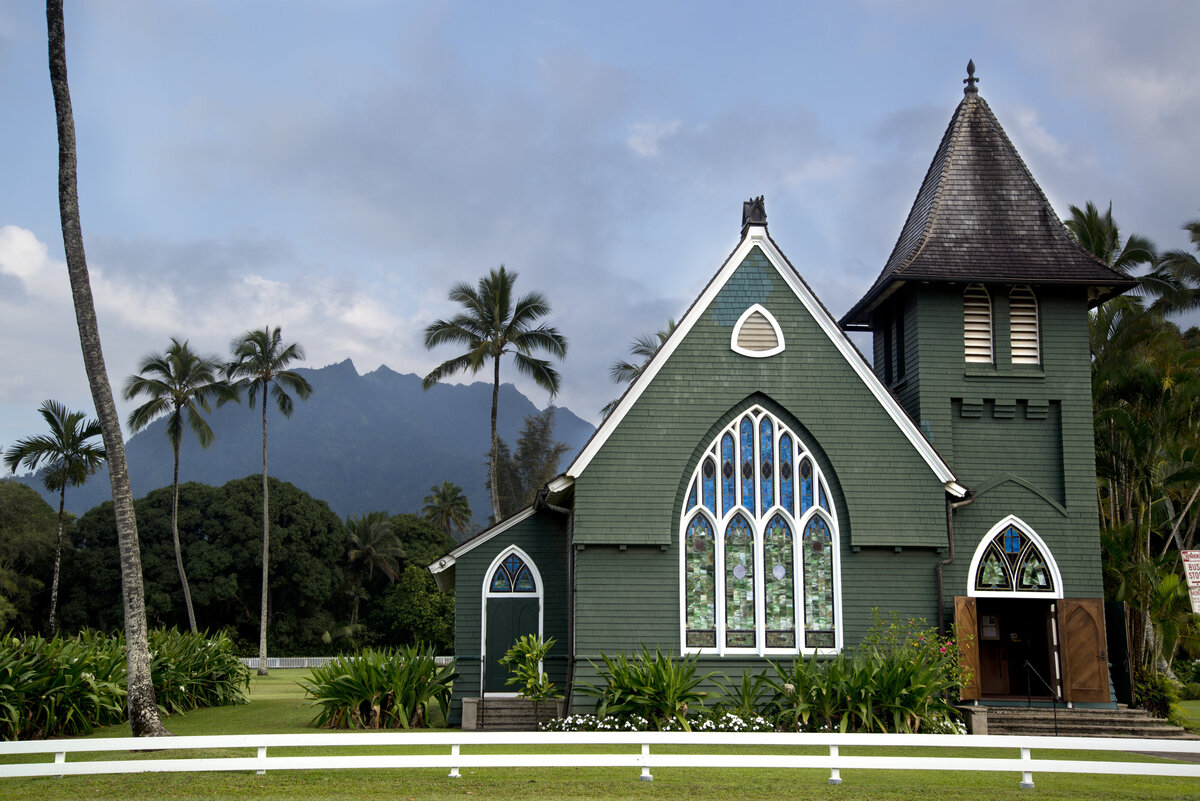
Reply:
x=971, y=80
x=754, y=212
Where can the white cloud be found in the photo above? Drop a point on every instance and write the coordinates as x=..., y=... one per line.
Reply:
x=646, y=138
x=1031, y=134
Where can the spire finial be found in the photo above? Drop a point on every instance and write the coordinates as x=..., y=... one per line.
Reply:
x=754, y=212
x=970, y=80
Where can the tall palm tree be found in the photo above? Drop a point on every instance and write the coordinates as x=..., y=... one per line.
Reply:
x=69, y=457
x=179, y=384
x=259, y=365
x=645, y=348
x=446, y=506
x=1184, y=267
x=141, y=705
x=490, y=326
x=372, y=544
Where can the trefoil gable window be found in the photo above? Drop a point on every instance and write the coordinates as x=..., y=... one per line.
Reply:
x=757, y=333
x=759, y=556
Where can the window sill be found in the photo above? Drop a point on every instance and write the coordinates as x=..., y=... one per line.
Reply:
x=1009, y=371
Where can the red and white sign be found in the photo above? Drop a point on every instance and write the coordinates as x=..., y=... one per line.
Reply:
x=1191, y=568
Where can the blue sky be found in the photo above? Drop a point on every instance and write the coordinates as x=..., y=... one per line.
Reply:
x=333, y=168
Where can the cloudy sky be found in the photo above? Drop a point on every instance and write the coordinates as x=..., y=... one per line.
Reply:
x=333, y=167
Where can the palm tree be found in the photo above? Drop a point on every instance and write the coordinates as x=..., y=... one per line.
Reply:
x=69, y=457
x=259, y=365
x=372, y=544
x=490, y=326
x=446, y=506
x=180, y=384
x=1184, y=267
x=141, y=705
x=645, y=347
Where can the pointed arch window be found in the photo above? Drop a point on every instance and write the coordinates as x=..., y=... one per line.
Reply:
x=977, y=324
x=1023, y=326
x=760, y=568
x=513, y=575
x=1013, y=561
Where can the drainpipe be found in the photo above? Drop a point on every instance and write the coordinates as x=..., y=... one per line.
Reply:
x=951, y=506
x=540, y=502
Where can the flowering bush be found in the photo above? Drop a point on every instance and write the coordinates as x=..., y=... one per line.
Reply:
x=716, y=722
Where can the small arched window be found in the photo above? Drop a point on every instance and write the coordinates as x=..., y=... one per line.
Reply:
x=513, y=575
x=977, y=324
x=756, y=333
x=1023, y=326
x=1013, y=561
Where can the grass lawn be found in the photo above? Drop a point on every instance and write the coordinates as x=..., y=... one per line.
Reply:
x=1191, y=714
x=278, y=705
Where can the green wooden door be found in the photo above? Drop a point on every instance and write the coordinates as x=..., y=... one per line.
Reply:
x=507, y=619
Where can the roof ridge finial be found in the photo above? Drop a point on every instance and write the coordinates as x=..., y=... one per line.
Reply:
x=971, y=80
x=754, y=212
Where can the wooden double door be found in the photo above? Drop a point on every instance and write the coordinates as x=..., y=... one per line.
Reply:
x=1008, y=643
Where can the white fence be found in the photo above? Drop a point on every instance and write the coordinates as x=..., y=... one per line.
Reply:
x=287, y=662
x=556, y=750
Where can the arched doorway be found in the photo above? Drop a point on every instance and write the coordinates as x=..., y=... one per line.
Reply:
x=512, y=608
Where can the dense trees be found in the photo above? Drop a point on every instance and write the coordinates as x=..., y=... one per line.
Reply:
x=491, y=325
x=70, y=457
x=259, y=366
x=27, y=525
x=522, y=474
x=447, y=507
x=180, y=384
x=1146, y=395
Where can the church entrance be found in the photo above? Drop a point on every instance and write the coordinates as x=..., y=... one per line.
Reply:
x=1016, y=643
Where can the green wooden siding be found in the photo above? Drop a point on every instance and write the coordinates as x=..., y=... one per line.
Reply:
x=544, y=538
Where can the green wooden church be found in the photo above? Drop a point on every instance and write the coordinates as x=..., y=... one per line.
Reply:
x=761, y=488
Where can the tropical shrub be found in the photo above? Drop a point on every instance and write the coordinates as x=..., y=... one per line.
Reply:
x=655, y=687
x=66, y=687
x=524, y=660
x=380, y=689
x=743, y=699
x=1158, y=695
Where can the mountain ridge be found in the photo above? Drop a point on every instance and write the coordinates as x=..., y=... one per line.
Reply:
x=361, y=442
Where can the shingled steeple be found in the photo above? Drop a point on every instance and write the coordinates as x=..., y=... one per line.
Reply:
x=981, y=216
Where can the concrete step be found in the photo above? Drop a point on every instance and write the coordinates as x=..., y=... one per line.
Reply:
x=1121, y=722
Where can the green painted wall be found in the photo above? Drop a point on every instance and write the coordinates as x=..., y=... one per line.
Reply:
x=544, y=538
x=1019, y=435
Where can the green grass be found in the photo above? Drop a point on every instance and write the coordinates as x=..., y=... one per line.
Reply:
x=1191, y=714
x=278, y=706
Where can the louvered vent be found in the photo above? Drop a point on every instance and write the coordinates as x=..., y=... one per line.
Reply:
x=757, y=333
x=1023, y=317
x=977, y=324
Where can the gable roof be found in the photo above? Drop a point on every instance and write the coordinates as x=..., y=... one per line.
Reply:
x=755, y=235
x=981, y=216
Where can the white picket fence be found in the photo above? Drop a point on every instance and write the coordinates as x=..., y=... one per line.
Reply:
x=558, y=750
x=290, y=662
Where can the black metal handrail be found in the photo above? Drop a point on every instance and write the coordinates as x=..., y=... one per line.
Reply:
x=1031, y=670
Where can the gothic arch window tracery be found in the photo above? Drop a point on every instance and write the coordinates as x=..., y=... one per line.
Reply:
x=1012, y=561
x=759, y=564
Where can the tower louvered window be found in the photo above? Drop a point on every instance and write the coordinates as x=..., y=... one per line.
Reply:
x=977, y=324
x=1023, y=323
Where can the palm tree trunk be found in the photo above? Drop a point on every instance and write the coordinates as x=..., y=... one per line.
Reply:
x=141, y=704
x=266, y=550
x=495, y=467
x=62, y=503
x=187, y=593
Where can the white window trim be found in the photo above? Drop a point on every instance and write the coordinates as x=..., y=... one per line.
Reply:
x=487, y=593
x=1037, y=325
x=981, y=549
x=737, y=329
x=799, y=451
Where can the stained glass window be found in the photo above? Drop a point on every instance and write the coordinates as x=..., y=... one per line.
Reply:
x=747, y=454
x=739, y=583
x=818, y=576
x=701, y=582
x=513, y=575
x=766, y=467
x=786, y=479
x=758, y=574
x=709, y=475
x=728, y=482
x=1012, y=561
x=779, y=584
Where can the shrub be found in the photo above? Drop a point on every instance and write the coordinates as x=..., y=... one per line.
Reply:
x=524, y=659
x=743, y=699
x=1158, y=695
x=716, y=721
x=68, y=686
x=380, y=689
x=657, y=688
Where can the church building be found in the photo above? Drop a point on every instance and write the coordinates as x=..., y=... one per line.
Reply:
x=760, y=488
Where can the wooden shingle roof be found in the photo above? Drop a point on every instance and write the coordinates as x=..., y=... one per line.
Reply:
x=980, y=216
